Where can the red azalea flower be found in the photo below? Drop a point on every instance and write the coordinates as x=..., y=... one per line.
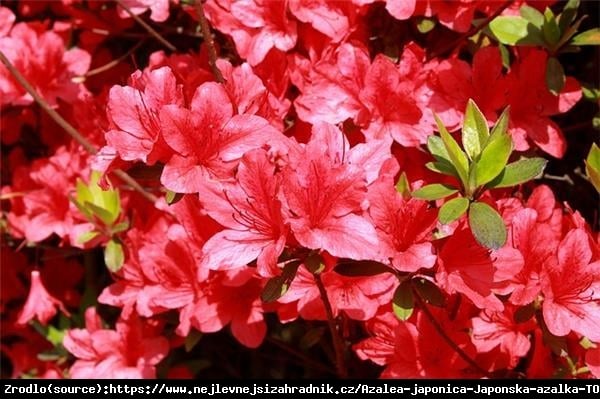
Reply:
x=40, y=304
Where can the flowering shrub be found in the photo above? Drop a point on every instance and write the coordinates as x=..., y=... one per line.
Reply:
x=362, y=188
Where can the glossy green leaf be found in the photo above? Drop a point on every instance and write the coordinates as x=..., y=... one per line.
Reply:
x=568, y=15
x=519, y=172
x=403, y=302
x=429, y=292
x=493, y=158
x=532, y=15
x=114, y=256
x=505, y=55
x=456, y=156
x=475, y=131
x=104, y=215
x=592, y=166
x=434, y=191
x=359, y=268
x=453, y=209
x=501, y=125
x=120, y=227
x=513, y=30
x=555, y=76
x=487, y=226
x=588, y=38
x=550, y=29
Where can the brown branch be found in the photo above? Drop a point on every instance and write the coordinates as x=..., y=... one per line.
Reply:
x=208, y=40
x=446, y=337
x=338, y=344
x=148, y=28
x=474, y=29
x=71, y=131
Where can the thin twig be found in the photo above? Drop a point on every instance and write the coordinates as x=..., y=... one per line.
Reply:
x=148, y=28
x=470, y=32
x=338, y=344
x=565, y=178
x=74, y=133
x=442, y=333
x=208, y=40
x=113, y=63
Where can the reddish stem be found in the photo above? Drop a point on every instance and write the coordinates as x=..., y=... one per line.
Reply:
x=208, y=40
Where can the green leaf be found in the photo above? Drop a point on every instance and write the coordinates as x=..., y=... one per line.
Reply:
x=550, y=29
x=456, y=155
x=429, y=292
x=425, y=25
x=314, y=263
x=590, y=93
x=453, y=209
x=513, y=30
x=592, y=166
x=505, y=55
x=277, y=286
x=113, y=255
x=171, y=197
x=359, y=268
x=403, y=186
x=532, y=15
x=192, y=339
x=493, y=158
x=443, y=167
x=436, y=147
x=555, y=76
x=434, y=191
x=588, y=38
x=475, y=131
x=87, y=236
x=120, y=227
x=487, y=226
x=103, y=214
x=519, y=172
x=403, y=302
x=568, y=15
x=501, y=125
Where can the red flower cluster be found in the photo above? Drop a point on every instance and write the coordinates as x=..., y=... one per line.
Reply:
x=282, y=188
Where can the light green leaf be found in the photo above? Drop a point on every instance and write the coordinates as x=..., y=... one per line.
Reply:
x=501, y=126
x=592, y=166
x=104, y=215
x=434, y=191
x=550, y=29
x=532, y=15
x=436, y=147
x=403, y=302
x=513, y=30
x=505, y=55
x=493, y=158
x=487, y=226
x=475, y=131
x=519, y=172
x=588, y=38
x=403, y=186
x=425, y=25
x=555, y=76
x=87, y=236
x=453, y=209
x=113, y=255
x=120, y=227
x=172, y=197
x=568, y=15
x=457, y=157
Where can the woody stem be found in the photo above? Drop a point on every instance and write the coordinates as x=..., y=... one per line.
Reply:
x=338, y=344
x=208, y=40
x=438, y=328
x=148, y=28
x=74, y=133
